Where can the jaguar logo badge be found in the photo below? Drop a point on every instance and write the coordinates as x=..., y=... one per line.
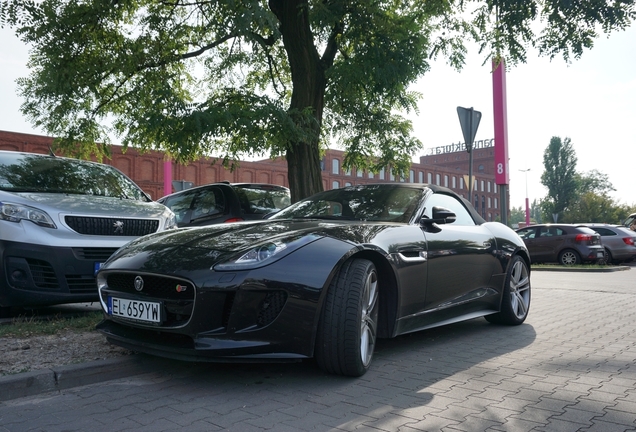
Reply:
x=139, y=283
x=119, y=227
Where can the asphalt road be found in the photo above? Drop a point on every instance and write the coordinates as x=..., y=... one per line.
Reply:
x=570, y=367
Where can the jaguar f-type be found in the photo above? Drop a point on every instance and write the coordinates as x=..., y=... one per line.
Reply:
x=323, y=278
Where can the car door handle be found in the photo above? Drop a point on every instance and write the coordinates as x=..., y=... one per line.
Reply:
x=413, y=256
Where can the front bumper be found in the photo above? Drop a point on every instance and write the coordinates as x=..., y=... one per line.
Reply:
x=33, y=274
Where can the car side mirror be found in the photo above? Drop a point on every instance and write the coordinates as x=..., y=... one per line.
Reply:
x=441, y=215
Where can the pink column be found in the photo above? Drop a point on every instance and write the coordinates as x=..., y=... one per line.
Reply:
x=167, y=177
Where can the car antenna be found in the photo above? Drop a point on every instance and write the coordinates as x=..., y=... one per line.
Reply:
x=51, y=152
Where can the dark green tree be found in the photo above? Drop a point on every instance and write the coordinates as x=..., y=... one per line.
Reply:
x=559, y=176
x=594, y=181
x=238, y=78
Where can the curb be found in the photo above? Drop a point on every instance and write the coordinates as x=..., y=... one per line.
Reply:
x=69, y=376
x=578, y=269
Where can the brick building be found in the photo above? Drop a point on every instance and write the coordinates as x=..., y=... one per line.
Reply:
x=445, y=166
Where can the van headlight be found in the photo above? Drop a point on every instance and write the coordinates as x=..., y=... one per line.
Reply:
x=18, y=212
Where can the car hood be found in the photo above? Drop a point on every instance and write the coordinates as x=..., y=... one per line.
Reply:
x=201, y=248
x=87, y=205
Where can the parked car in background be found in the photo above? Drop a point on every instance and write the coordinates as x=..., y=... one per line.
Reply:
x=566, y=244
x=630, y=222
x=60, y=218
x=226, y=202
x=619, y=242
x=324, y=278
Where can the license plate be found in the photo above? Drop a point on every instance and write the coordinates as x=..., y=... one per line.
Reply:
x=135, y=309
x=600, y=255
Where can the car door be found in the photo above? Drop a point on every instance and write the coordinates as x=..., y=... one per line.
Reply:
x=460, y=263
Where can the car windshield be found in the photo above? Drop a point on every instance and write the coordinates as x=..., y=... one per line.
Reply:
x=262, y=199
x=386, y=203
x=48, y=174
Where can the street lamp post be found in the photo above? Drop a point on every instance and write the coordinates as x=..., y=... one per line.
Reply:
x=527, y=199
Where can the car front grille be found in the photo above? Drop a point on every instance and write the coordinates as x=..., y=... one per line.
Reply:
x=176, y=295
x=111, y=226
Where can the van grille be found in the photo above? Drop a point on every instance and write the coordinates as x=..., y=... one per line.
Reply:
x=43, y=274
x=111, y=226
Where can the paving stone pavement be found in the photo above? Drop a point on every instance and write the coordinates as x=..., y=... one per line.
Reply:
x=570, y=367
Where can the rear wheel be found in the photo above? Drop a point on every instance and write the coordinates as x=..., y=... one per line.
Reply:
x=569, y=257
x=348, y=326
x=607, y=257
x=515, y=302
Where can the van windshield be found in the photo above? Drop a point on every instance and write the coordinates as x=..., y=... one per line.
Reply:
x=21, y=172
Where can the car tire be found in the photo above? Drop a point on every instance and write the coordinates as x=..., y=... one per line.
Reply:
x=348, y=326
x=569, y=257
x=515, y=301
x=608, y=257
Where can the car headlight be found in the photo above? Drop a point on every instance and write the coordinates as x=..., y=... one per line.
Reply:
x=266, y=253
x=17, y=213
x=171, y=221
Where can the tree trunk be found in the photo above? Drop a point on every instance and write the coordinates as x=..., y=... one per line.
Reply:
x=309, y=84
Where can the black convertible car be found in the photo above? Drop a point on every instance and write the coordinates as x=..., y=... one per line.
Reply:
x=323, y=278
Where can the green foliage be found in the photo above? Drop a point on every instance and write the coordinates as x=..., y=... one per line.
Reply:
x=559, y=176
x=517, y=214
x=235, y=78
x=29, y=326
x=595, y=182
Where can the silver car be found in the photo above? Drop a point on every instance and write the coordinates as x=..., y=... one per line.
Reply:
x=619, y=242
x=60, y=219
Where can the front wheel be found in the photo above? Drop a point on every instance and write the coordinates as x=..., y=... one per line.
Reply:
x=348, y=326
x=515, y=302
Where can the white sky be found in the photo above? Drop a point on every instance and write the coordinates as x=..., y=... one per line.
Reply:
x=592, y=101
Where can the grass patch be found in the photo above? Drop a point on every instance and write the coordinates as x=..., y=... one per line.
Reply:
x=38, y=326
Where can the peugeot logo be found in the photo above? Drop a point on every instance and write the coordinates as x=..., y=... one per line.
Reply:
x=139, y=283
x=119, y=227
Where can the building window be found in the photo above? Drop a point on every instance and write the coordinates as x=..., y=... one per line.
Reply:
x=481, y=168
x=430, y=178
x=496, y=204
x=445, y=181
x=391, y=175
x=454, y=182
x=348, y=171
x=382, y=174
x=438, y=180
x=482, y=185
x=461, y=182
x=359, y=172
x=420, y=177
x=347, y=184
x=335, y=166
x=371, y=175
x=489, y=202
x=488, y=186
x=412, y=177
x=322, y=164
x=335, y=184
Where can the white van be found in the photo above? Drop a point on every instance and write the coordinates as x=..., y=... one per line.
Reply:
x=60, y=219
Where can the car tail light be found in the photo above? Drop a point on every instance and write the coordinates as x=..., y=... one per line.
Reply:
x=628, y=241
x=234, y=220
x=583, y=238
